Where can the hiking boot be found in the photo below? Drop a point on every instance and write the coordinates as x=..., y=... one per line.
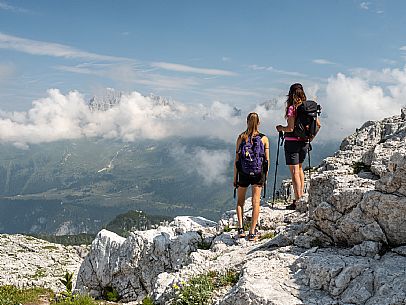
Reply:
x=253, y=236
x=291, y=206
x=241, y=233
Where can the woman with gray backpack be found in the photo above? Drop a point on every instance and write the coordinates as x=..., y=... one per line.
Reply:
x=250, y=168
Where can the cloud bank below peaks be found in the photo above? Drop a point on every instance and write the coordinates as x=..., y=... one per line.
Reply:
x=368, y=95
x=211, y=165
x=347, y=101
x=68, y=116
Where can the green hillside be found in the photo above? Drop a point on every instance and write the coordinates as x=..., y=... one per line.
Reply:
x=77, y=186
x=73, y=187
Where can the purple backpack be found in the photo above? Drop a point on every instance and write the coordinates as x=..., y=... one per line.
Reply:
x=252, y=155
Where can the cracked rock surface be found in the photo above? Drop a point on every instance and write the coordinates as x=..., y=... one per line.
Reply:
x=28, y=261
x=360, y=193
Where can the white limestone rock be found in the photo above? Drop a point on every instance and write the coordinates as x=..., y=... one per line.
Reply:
x=131, y=265
x=26, y=261
x=350, y=207
x=367, y=248
x=269, y=219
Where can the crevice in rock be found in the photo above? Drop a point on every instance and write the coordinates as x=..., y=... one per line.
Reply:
x=397, y=194
x=99, y=284
x=325, y=233
x=143, y=284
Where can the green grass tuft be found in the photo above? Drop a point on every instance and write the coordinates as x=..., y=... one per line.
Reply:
x=78, y=300
x=111, y=294
x=267, y=235
x=203, y=245
x=227, y=228
x=199, y=290
x=246, y=226
x=147, y=301
x=228, y=278
x=11, y=295
x=360, y=166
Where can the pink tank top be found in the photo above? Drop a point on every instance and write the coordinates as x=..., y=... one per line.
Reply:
x=292, y=113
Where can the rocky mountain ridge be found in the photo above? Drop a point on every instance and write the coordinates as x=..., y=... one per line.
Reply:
x=348, y=246
x=27, y=261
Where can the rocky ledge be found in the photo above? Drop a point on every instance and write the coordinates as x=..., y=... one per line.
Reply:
x=28, y=261
x=347, y=247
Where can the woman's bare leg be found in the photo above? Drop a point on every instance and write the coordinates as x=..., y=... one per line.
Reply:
x=296, y=180
x=256, y=198
x=302, y=179
x=241, y=191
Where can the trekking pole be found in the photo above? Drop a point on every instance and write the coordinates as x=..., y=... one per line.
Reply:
x=236, y=187
x=280, y=143
x=309, y=148
x=266, y=177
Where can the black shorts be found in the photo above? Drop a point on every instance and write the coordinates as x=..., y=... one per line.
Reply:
x=295, y=152
x=245, y=180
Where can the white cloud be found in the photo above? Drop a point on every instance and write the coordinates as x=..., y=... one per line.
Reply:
x=351, y=100
x=7, y=7
x=290, y=73
x=321, y=61
x=272, y=69
x=36, y=47
x=60, y=116
x=257, y=67
x=211, y=165
x=390, y=76
x=233, y=91
x=125, y=73
x=403, y=48
x=347, y=100
x=189, y=69
x=365, y=5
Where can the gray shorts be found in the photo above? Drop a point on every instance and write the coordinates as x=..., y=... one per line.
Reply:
x=295, y=152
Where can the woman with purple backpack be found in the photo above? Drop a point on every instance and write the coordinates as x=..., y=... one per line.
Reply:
x=250, y=168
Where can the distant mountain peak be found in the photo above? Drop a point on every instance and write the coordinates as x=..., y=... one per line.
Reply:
x=107, y=100
x=110, y=98
x=271, y=104
x=160, y=100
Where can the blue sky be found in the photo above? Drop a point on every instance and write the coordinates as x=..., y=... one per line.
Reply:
x=193, y=51
x=197, y=52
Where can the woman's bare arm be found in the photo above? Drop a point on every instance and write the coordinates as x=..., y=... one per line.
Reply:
x=289, y=127
x=265, y=140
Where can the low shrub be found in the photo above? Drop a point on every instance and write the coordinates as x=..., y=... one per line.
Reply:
x=78, y=300
x=360, y=166
x=267, y=235
x=199, y=290
x=11, y=295
x=147, y=301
